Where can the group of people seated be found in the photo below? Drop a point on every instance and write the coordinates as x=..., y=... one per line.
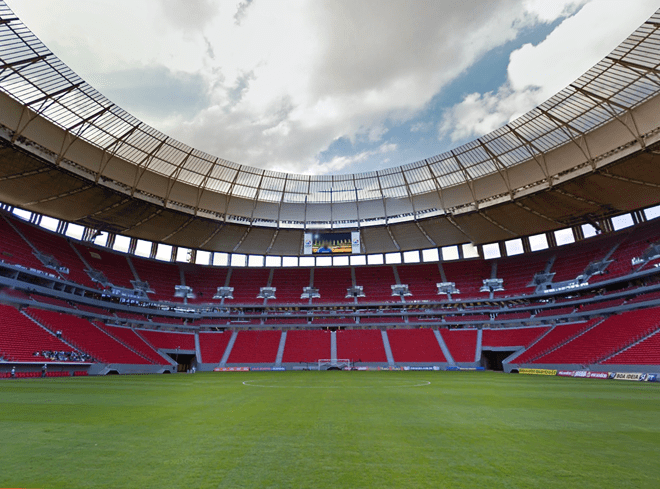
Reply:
x=63, y=356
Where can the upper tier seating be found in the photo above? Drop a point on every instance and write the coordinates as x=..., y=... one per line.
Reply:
x=113, y=265
x=14, y=250
x=332, y=284
x=468, y=275
x=59, y=247
x=415, y=345
x=204, y=281
x=289, y=283
x=247, y=283
x=572, y=260
x=162, y=278
x=377, y=283
x=462, y=343
x=20, y=337
x=306, y=346
x=361, y=345
x=255, y=347
x=421, y=281
x=518, y=271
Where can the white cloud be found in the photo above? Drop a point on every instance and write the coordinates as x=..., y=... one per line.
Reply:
x=535, y=73
x=284, y=80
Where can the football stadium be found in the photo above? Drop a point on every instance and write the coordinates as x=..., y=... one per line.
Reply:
x=485, y=316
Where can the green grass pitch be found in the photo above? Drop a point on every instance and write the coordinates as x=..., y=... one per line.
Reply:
x=329, y=429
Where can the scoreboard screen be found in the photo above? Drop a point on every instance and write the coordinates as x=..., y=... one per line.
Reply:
x=323, y=243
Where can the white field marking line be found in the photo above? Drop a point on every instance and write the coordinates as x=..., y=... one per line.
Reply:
x=249, y=384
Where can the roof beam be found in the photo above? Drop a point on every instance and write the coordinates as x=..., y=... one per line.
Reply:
x=501, y=169
x=537, y=154
x=26, y=61
x=468, y=179
x=634, y=131
x=173, y=178
x=202, y=186
x=70, y=138
x=107, y=155
x=651, y=74
x=567, y=128
x=142, y=166
x=28, y=114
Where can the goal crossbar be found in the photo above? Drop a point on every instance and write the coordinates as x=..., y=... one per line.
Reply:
x=338, y=362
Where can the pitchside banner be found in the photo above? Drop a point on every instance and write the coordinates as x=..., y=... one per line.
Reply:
x=537, y=371
x=635, y=376
x=231, y=369
x=585, y=374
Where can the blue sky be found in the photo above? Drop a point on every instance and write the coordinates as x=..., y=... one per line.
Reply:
x=330, y=86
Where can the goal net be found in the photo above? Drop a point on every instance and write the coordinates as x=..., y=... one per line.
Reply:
x=326, y=363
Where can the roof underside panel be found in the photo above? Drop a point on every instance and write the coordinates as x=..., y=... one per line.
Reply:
x=584, y=152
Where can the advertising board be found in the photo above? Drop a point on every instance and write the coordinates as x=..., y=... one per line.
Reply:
x=634, y=376
x=231, y=369
x=537, y=371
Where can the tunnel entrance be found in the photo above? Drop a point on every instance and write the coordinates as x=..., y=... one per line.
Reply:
x=492, y=360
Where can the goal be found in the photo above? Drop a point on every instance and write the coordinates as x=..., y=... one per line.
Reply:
x=342, y=363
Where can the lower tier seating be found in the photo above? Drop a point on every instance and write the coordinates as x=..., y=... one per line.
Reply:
x=415, y=345
x=255, y=347
x=21, y=337
x=613, y=334
x=499, y=338
x=87, y=337
x=306, y=346
x=462, y=343
x=365, y=345
x=213, y=345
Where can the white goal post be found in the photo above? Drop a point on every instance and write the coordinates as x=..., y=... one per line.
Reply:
x=325, y=363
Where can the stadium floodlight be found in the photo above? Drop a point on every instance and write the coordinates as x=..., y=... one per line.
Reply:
x=594, y=268
x=224, y=293
x=492, y=285
x=541, y=279
x=310, y=293
x=400, y=290
x=140, y=285
x=447, y=288
x=183, y=291
x=98, y=277
x=267, y=293
x=650, y=253
x=355, y=291
x=49, y=261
